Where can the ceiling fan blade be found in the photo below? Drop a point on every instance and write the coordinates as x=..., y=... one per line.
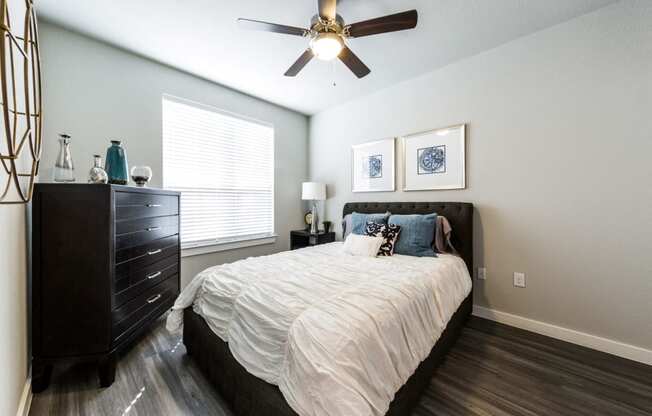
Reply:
x=327, y=9
x=390, y=23
x=271, y=27
x=299, y=64
x=354, y=63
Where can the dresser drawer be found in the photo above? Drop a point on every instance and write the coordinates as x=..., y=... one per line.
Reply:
x=133, y=258
x=143, y=307
x=144, y=205
x=131, y=233
x=129, y=286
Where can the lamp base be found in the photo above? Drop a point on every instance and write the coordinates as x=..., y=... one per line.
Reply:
x=314, y=226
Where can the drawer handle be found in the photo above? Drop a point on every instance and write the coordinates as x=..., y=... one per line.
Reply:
x=153, y=205
x=152, y=228
x=154, y=275
x=154, y=298
x=151, y=253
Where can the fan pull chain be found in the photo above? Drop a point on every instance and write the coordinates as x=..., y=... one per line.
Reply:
x=333, y=72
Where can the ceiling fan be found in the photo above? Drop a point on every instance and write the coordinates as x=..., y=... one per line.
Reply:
x=328, y=33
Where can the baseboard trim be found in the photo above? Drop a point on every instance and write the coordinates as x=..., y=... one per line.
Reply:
x=609, y=346
x=25, y=399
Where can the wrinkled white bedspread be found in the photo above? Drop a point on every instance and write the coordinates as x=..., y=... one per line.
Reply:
x=338, y=334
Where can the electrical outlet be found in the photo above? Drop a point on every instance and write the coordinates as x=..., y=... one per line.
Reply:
x=482, y=273
x=519, y=279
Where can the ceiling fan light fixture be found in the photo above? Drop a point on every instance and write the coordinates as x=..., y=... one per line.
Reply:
x=328, y=33
x=326, y=46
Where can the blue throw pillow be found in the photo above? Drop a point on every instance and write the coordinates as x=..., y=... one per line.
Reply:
x=417, y=234
x=359, y=221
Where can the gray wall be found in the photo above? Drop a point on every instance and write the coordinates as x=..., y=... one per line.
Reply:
x=558, y=165
x=96, y=92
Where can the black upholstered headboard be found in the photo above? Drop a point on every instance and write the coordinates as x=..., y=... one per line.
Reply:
x=459, y=214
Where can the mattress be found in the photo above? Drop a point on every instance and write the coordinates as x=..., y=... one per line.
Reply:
x=337, y=334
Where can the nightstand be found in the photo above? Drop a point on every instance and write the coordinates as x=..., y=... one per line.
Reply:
x=303, y=238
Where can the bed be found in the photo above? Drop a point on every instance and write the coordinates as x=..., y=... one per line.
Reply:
x=248, y=394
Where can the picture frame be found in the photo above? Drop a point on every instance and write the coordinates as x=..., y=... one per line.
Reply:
x=435, y=159
x=373, y=166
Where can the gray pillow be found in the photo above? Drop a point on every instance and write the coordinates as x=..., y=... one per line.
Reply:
x=346, y=226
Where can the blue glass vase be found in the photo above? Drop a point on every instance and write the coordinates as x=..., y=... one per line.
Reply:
x=116, y=164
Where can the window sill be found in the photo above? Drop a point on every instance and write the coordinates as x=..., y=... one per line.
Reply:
x=230, y=245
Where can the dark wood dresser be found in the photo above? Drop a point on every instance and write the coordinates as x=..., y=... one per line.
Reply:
x=105, y=264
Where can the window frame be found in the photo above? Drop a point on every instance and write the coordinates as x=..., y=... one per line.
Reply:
x=233, y=243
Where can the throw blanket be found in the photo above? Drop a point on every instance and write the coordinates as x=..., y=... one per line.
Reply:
x=338, y=334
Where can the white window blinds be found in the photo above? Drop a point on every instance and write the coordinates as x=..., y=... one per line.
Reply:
x=223, y=164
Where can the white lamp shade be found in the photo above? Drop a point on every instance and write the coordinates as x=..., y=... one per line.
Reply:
x=313, y=191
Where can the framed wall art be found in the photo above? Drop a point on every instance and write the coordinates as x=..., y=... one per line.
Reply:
x=373, y=166
x=435, y=159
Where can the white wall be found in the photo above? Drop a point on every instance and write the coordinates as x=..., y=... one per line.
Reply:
x=13, y=307
x=558, y=165
x=96, y=92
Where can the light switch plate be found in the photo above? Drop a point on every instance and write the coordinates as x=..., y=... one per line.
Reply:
x=482, y=273
x=519, y=279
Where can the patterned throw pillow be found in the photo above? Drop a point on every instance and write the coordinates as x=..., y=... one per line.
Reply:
x=388, y=232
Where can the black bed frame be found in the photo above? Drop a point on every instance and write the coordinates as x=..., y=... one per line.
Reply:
x=248, y=395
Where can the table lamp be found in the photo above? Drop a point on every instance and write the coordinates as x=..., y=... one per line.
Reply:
x=313, y=191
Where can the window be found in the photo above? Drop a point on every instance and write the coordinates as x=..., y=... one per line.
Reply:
x=223, y=164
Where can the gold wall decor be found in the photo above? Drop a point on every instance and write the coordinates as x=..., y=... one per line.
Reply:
x=21, y=118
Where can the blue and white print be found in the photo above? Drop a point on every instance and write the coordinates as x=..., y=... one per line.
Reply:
x=373, y=166
x=431, y=160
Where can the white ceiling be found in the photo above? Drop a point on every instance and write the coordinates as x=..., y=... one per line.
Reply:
x=202, y=38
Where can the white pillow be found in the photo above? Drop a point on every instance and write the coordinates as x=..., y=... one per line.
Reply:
x=362, y=245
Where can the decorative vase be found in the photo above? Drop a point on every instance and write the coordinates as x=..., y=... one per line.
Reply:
x=141, y=175
x=116, y=163
x=64, y=170
x=327, y=226
x=97, y=173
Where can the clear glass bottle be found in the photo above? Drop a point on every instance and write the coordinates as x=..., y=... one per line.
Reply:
x=64, y=170
x=97, y=173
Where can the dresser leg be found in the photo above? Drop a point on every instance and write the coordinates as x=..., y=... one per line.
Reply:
x=41, y=374
x=106, y=370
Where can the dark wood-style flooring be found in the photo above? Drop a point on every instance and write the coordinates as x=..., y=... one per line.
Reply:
x=493, y=369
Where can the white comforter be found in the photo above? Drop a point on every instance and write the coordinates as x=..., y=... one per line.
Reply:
x=338, y=334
